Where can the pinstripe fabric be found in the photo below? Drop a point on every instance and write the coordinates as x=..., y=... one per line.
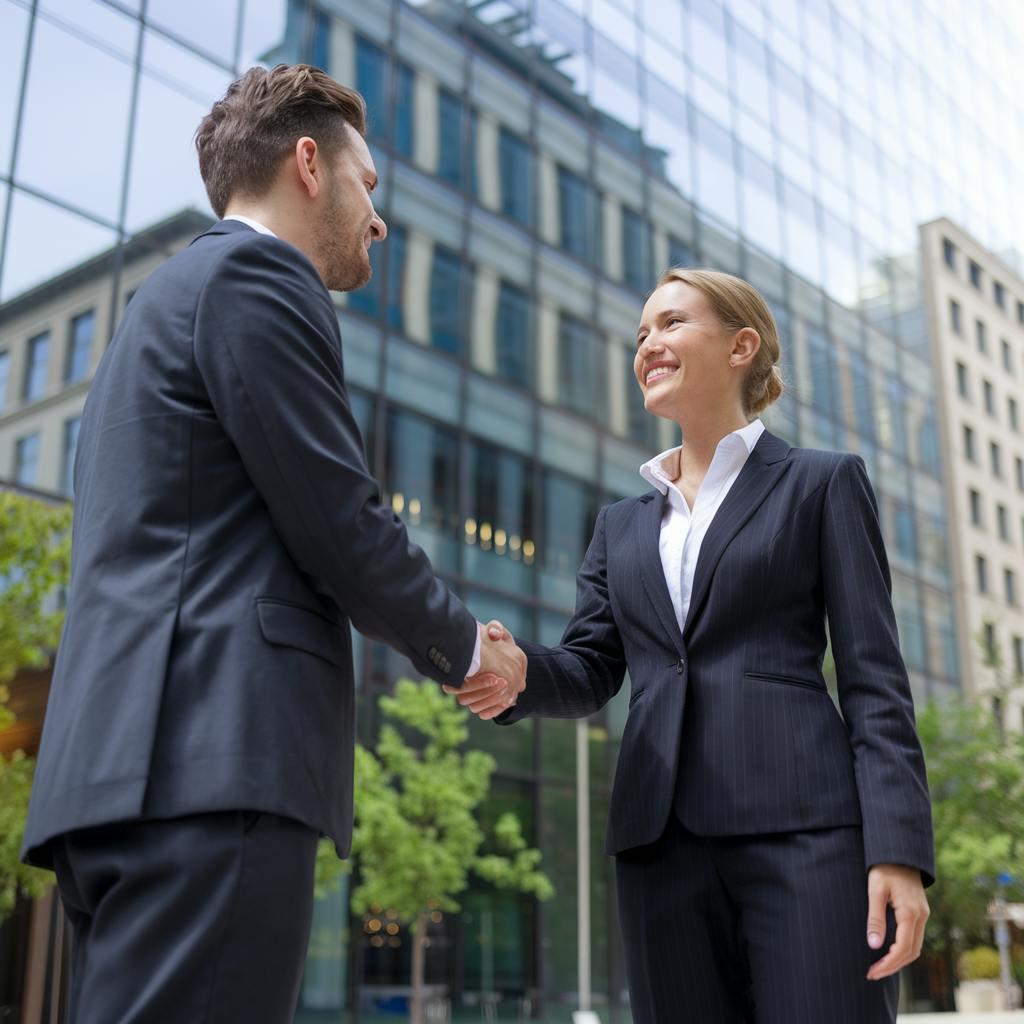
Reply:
x=730, y=722
x=756, y=928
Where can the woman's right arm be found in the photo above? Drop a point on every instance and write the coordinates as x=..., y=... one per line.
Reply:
x=584, y=672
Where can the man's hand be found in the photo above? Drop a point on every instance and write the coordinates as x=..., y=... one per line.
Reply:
x=502, y=675
x=900, y=887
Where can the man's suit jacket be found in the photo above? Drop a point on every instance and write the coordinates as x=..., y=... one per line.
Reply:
x=730, y=721
x=226, y=533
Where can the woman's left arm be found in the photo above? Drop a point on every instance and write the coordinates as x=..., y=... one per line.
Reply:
x=874, y=694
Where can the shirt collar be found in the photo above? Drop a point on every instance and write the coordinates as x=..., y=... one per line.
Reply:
x=663, y=469
x=254, y=224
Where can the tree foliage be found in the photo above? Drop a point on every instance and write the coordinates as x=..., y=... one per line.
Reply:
x=35, y=552
x=976, y=778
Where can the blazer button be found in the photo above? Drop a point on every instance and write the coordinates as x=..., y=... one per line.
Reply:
x=680, y=667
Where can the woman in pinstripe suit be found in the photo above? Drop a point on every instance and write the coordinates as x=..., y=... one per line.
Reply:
x=771, y=853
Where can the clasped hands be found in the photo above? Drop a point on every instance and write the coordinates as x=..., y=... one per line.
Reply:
x=501, y=677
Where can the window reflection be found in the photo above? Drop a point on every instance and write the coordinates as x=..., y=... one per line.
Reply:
x=83, y=330
x=422, y=480
x=579, y=210
x=569, y=513
x=499, y=533
x=383, y=287
x=514, y=159
x=512, y=334
x=447, y=300
x=37, y=357
x=577, y=365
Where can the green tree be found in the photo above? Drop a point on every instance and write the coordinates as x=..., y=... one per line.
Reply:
x=417, y=838
x=976, y=778
x=35, y=551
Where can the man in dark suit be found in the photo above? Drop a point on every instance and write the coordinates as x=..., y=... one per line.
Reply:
x=227, y=531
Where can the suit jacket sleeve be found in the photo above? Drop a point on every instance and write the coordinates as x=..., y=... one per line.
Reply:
x=586, y=670
x=874, y=691
x=268, y=349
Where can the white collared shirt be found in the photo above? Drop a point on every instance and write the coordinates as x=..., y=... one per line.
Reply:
x=683, y=530
x=254, y=224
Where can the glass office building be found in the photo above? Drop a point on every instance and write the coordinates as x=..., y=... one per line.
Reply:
x=540, y=161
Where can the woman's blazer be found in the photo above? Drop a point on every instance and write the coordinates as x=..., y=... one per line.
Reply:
x=730, y=721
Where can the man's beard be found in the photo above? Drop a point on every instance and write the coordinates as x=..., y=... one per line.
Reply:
x=344, y=259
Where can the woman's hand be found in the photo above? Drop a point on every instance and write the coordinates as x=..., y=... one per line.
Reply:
x=900, y=887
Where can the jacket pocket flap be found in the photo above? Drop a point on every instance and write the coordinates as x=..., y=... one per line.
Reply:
x=288, y=625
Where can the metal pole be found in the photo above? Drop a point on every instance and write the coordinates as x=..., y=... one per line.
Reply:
x=583, y=859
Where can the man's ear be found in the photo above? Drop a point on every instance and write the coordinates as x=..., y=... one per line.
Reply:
x=309, y=164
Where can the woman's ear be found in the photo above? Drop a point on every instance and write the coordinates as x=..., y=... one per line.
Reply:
x=746, y=343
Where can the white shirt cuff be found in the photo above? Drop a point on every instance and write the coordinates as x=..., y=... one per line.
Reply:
x=474, y=665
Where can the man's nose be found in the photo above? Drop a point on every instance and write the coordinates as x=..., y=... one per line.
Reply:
x=378, y=229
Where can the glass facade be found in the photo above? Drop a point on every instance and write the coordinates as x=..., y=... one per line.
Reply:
x=541, y=161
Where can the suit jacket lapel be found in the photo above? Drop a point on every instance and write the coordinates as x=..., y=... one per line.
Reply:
x=761, y=472
x=651, y=571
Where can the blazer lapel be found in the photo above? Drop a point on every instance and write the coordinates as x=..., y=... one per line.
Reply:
x=651, y=571
x=761, y=472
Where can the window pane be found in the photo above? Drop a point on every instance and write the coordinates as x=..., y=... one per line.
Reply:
x=209, y=25
x=403, y=134
x=451, y=162
x=176, y=92
x=372, y=82
x=5, y=378
x=83, y=330
x=499, y=534
x=512, y=332
x=514, y=159
x=37, y=358
x=577, y=366
x=569, y=513
x=383, y=287
x=26, y=460
x=67, y=476
x=43, y=241
x=578, y=208
x=635, y=259
x=62, y=118
x=447, y=286
x=13, y=30
x=422, y=478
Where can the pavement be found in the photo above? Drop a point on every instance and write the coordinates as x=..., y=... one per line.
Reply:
x=1014, y=1017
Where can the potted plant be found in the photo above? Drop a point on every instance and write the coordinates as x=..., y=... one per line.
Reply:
x=980, y=989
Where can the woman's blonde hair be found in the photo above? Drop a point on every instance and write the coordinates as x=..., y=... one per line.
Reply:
x=737, y=304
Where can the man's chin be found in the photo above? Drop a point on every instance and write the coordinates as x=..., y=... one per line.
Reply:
x=349, y=278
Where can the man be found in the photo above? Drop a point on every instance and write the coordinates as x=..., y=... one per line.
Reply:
x=199, y=735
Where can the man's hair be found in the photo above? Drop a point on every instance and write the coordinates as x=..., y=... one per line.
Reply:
x=243, y=139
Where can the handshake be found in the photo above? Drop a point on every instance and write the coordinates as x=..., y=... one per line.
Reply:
x=501, y=677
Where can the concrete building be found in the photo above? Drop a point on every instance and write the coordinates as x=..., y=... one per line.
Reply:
x=975, y=304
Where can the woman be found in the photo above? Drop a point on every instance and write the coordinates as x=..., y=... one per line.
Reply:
x=766, y=847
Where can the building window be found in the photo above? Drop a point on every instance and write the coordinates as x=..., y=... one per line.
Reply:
x=514, y=160
x=680, y=253
x=67, y=473
x=635, y=260
x=995, y=459
x=969, y=452
x=1018, y=655
x=372, y=82
x=322, y=41
x=576, y=365
x=402, y=136
x=579, y=212
x=1010, y=587
x=26, y=460
x=451, y=163
x=990, y=398
x=83, y=329
x=990, y=641
x=975, y=274
x=974, y=500
x=1019, y=466
x=423, y=476
x=999, y=294
x=368, y=299
x=512, y=334
x=447, y=289
x=981, y=335
x=1003, y=522
x=5, y=374
x=36, y=361
x=1020, y=312
x=955, y=317
x=962, y=385
x=1011, y=413
x=949, y=253
x=906, y=534
x=981, y=573
x=997, y=715
x=1007, y=356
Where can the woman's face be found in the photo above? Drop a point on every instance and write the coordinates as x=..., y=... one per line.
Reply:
x=682, y=351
